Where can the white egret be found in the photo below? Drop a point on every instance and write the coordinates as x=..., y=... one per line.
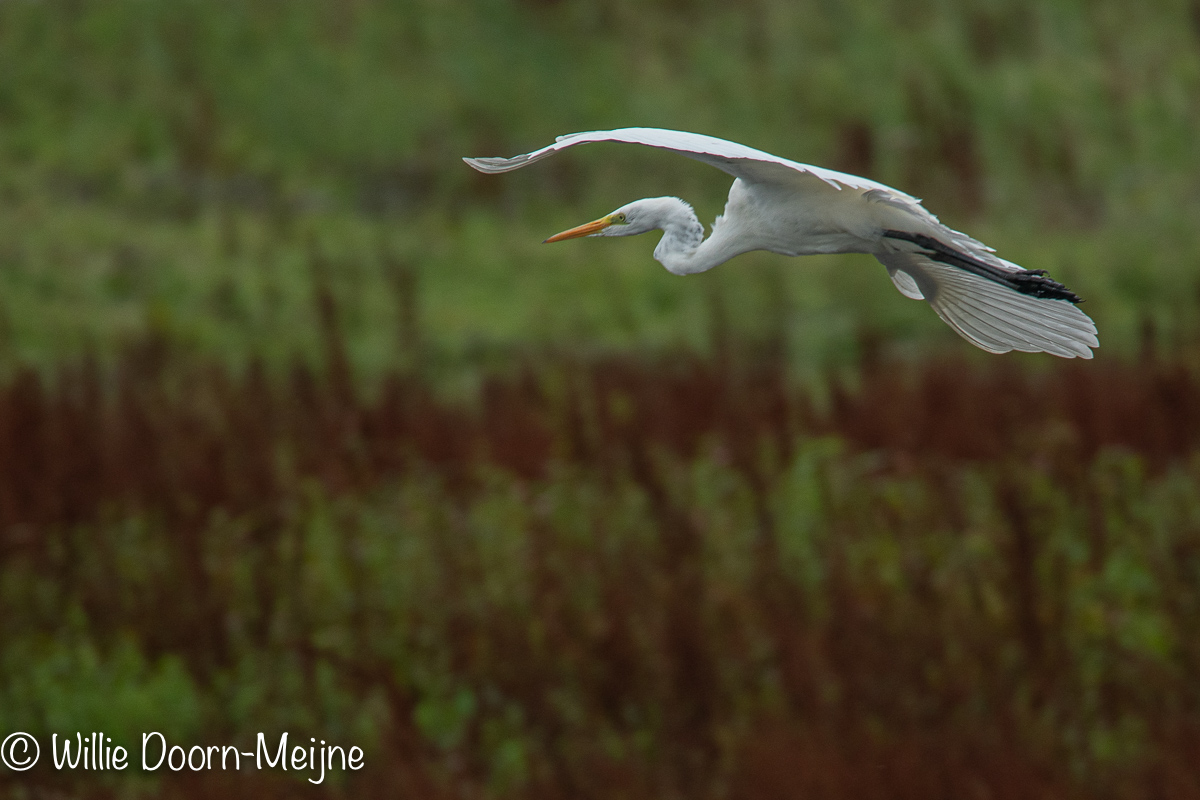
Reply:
x=796, y=209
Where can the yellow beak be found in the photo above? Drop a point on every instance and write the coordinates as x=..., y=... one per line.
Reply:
x=586, y=229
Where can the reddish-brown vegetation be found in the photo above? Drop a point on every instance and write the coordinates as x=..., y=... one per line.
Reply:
x=639, y=666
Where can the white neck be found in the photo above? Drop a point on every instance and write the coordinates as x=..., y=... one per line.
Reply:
x=683, y=249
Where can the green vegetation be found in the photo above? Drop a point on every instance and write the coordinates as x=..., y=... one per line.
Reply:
x=302, y=428
x=164, y=165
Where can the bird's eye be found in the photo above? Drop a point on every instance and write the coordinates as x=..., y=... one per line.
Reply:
x=619, y=217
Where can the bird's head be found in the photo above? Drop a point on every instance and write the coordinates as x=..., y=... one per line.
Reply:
x=631, y=219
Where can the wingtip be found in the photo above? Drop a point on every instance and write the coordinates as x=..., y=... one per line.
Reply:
x=496, y=164
x=1077, y=349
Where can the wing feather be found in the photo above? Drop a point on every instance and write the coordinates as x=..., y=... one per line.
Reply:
x=905, y=283
x=989, y=320
x=738, y=160
x=992, y=315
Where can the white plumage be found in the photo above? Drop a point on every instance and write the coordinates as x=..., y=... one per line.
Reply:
x=796, y=209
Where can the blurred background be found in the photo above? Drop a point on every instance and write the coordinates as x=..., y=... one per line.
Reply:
x=302, y=428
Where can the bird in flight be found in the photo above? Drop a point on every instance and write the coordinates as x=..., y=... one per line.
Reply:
x=797, y=209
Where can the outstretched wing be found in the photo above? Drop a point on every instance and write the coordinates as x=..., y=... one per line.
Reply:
x=740, y=161
x=991, y=314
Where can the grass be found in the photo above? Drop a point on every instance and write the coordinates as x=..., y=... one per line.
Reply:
x=233, y=285
x=166, y=166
